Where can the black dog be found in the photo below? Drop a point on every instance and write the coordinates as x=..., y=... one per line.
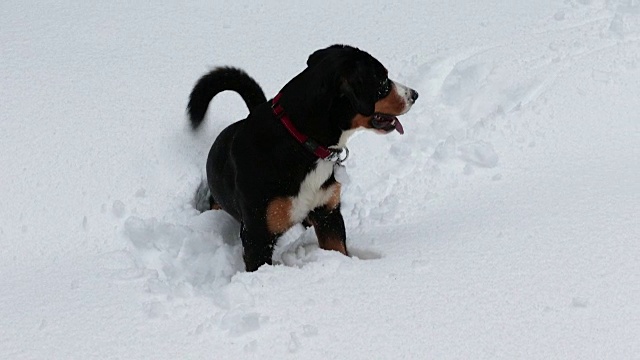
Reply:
x=275, y=168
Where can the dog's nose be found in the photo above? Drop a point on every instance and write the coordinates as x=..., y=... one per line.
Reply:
x=414, y=95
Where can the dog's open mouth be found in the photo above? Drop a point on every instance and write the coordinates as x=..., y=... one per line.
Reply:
x=386, y=123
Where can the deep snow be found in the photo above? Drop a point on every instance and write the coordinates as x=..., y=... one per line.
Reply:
x=503, y=224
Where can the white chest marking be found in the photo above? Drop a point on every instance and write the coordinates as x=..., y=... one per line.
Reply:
x=311, y=195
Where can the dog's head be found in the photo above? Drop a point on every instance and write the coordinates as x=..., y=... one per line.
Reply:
x=353, y=74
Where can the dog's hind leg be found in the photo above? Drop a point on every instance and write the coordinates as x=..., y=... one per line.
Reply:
x=213, y=205
x=203, y=200
x=257, y=245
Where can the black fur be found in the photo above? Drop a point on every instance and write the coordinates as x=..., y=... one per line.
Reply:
x=217, y=81
x=256, y=160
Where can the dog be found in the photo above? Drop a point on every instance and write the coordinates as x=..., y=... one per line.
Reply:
x=275, y=169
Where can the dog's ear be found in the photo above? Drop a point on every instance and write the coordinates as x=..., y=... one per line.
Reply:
x=321, y=54
x=359, y=92
x=336, y=74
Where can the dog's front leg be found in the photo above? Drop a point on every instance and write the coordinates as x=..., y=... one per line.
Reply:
x=329, y=226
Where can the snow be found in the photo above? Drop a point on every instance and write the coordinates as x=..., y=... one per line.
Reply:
x=502, y=224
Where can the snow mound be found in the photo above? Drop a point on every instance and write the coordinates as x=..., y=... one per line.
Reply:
x=199, y=256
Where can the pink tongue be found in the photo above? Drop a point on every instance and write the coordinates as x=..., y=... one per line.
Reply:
x=399, y=127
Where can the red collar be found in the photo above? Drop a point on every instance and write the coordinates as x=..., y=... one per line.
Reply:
x=309, y=144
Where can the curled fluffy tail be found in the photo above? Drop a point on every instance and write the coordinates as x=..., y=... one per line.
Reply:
x=217, y=81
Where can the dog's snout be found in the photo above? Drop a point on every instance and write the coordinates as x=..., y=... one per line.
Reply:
x=414, y=95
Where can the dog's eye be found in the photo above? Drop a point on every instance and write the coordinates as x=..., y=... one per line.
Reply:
x=384, y=88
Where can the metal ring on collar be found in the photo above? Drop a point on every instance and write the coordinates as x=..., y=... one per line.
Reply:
x=346, y=156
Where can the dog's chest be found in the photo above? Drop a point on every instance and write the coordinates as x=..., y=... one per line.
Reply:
x=311, y=194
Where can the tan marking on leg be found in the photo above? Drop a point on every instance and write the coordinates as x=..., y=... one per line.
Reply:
x=279, y=215
x=332, y=244
x=215, y=206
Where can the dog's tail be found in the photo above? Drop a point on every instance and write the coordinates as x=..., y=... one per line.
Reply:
x=217, y=81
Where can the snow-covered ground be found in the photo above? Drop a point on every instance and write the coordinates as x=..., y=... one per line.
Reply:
x=502, y=225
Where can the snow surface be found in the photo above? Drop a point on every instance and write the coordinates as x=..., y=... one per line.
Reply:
x=503, y=224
